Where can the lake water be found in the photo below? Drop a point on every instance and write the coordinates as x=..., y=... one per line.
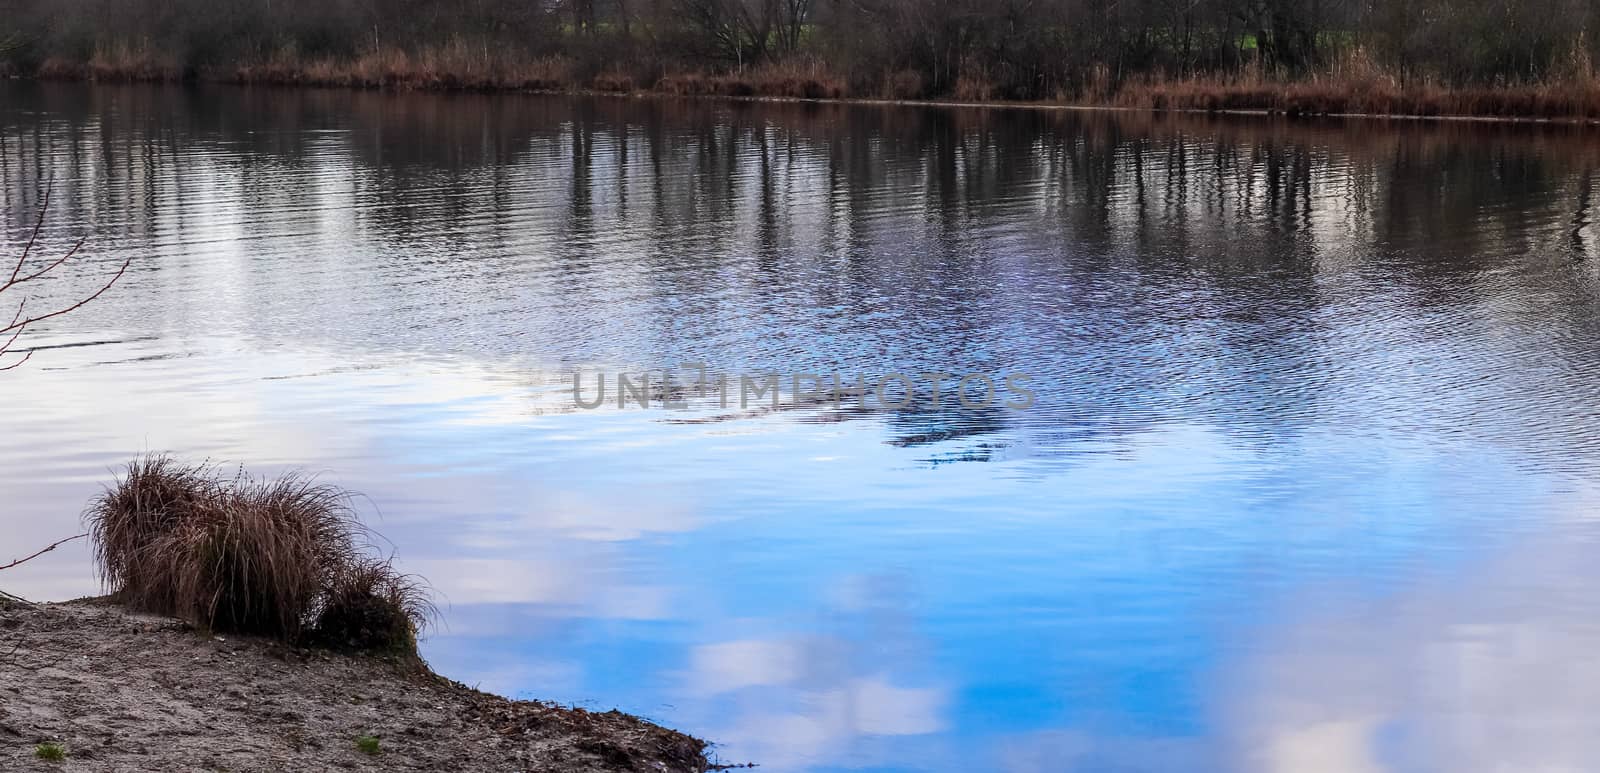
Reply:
x=1309, y=481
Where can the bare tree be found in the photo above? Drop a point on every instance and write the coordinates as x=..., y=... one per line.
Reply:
x=792, y=18
x=20, y=276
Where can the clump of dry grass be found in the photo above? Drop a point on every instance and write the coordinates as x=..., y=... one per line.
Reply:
x=153, y=497
x=371, y=607
x=793, y=80
x=122, y=61
x=134, y=62
x=60, y=68
x=974, y=87
x=904, y=84
x=687, y=84
x=454, y=66
x=278, y=557
x=798, y=80
x=613, y=81
x=1358, y=84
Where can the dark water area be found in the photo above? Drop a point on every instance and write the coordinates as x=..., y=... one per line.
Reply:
x=1307, y=481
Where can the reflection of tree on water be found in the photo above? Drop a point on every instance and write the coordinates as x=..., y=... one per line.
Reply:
x=1146, y=270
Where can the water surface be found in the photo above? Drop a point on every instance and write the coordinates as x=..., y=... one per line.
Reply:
x=1309, y=482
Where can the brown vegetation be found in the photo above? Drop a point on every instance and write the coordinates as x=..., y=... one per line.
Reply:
x=1360, y=86
x=105, y=688
x=795, y=81
x=370, y=607
x=618, y=82
x=448, y=67
x=1469, y=57
x=118, y=61
x=284, y=558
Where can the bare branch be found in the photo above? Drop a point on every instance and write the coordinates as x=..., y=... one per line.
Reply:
x=16, y=364
x=20, y=323
x=38, y=225
x=41, y=272
x=74, y=307
x=13, y=339
x=15, y=599
x=52, y=546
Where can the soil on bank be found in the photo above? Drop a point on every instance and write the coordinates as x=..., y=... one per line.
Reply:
x=120, y=691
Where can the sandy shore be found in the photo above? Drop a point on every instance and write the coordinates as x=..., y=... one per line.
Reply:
x=126, y=692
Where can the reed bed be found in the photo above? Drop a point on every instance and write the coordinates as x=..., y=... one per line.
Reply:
x=1354, y=84
x=453, y=66
x=794, y=80
x=1358, y=84
x=1326, y=96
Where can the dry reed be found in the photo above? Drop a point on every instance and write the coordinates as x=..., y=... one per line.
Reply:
x=285, y=557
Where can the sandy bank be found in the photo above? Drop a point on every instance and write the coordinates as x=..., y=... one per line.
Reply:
x=121, y=691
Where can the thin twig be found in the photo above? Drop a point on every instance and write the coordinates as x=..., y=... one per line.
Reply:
x=47, y=269
x=20, y=323
x=15, y=599
x=73, y=307
x=38, y=225
x=53, y=546
x=18, y=363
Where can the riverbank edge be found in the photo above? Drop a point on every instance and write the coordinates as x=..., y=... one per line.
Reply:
x=113, y=689
x=1293, y=99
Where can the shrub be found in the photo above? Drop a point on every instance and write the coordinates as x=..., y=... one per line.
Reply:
x=903, y=84
x=688, y=84
x=270, y=557
x=368, y=744
x=147, y=504
x=371, y=607
x=974, y=88
x=50, y=752
x=613, y=81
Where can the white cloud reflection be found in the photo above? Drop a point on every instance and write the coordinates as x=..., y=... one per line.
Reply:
x=734, y=665
x=1489, y=669
x=1061, y=751
x=792, y=700
x=574, y=586
x=823, y=724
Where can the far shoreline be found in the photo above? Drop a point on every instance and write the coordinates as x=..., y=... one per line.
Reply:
x=450, y=86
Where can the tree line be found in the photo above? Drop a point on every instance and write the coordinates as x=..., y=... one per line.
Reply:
x=1005, y=49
